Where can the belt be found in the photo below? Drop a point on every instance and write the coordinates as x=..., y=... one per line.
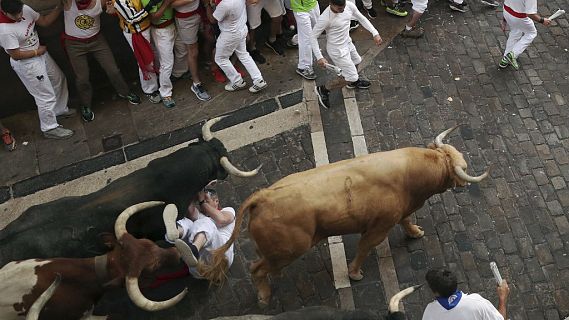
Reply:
x=187, y=14
x=84, y=40
x=514, y=13
x=163, y=24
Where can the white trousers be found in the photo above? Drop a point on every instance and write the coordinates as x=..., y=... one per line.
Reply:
x=150, y=85
x=304, y=23
x=226, y=45
x=214, y=240
x=522, y=33
x=420, y=6
x=346, y=58
x=367, y=3
x=47, y=84
x=180, y=58
x=164, y=39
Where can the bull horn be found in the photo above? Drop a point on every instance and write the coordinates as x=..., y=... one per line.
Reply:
x=144, y=303
x=120, y=223
x=464, y=176
x=230, y=168
x=440, y=137
x=394, y=302
x=35, y=309
x=206, y=129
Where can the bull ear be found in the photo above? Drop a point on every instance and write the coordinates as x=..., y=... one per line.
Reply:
x=108, y=239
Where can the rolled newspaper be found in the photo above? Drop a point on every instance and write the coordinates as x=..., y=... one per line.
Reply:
x=496, y=272
x=556, y=14
x=334, y=69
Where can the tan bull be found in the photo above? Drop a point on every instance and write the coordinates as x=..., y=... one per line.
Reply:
x=367, y=195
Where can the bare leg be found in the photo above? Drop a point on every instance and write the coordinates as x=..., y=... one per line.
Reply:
x=412, y=230
x=193, y=51
x=199, y=240
x=276, y=27
x=415, y=16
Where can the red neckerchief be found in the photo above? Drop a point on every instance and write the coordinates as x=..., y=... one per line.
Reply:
x=217, y=2
x=83, y=4
x=5, y=19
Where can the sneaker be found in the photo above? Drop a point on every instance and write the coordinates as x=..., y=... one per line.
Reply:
x=87, y=114
x=323, y=96
x=512, y=60
x=504, y=63
x=292, y=42
x=236, y=86
x=396, y=10
x=154, y=97
x=218, y=75
x=354, y=24
x=132, y=98
x=413, y=33
x=276, y=46
x=490, y=3
x=371, y=13
x=168, y=102
x=257, y=56
x=258, y=86
x=8, y=139
x=200, y=92
x=67, y=114
x=188, y=252
x=460, y=7
x=186, y=75
x=360, y=84
x=58, y=133
x=307, y=73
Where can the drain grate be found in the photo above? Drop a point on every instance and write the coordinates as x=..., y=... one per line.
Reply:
x=112, y=142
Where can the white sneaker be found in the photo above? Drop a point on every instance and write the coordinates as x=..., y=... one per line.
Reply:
x=235, y=86
x=58, y=133
x=258, y=86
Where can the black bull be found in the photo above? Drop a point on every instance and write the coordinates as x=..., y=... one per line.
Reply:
x=69, y=227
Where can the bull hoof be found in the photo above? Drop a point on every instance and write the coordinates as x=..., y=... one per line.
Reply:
x=262, y=303
x=419, y=233
x=356, y=276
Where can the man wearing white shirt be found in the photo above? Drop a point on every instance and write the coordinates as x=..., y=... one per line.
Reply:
x=518, y=14
x=33, y=64
x=207, y=227
x=335, y=20
x=451, y=303
x=231, y=16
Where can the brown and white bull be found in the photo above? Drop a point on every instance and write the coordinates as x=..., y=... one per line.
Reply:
x=83, y=281
x=367, y=195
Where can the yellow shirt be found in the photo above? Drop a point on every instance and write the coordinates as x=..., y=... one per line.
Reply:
x=132, y=16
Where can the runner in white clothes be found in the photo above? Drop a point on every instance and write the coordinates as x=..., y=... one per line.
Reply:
x=33, y=64
x=518, y=14
x=335, y=20
x=231, y=16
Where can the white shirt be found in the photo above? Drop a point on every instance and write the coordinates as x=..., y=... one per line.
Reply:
x=337, y=26
x=23, y=34
x=189, y=7
x=522, y=6
x=231, y=15
x=470, y=307
x=85, y=23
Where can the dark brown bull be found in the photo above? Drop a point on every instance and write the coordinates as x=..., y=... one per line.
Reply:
x=85, y=280
x=367, y=195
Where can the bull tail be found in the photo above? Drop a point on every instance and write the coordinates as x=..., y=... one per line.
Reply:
x=215, y=269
